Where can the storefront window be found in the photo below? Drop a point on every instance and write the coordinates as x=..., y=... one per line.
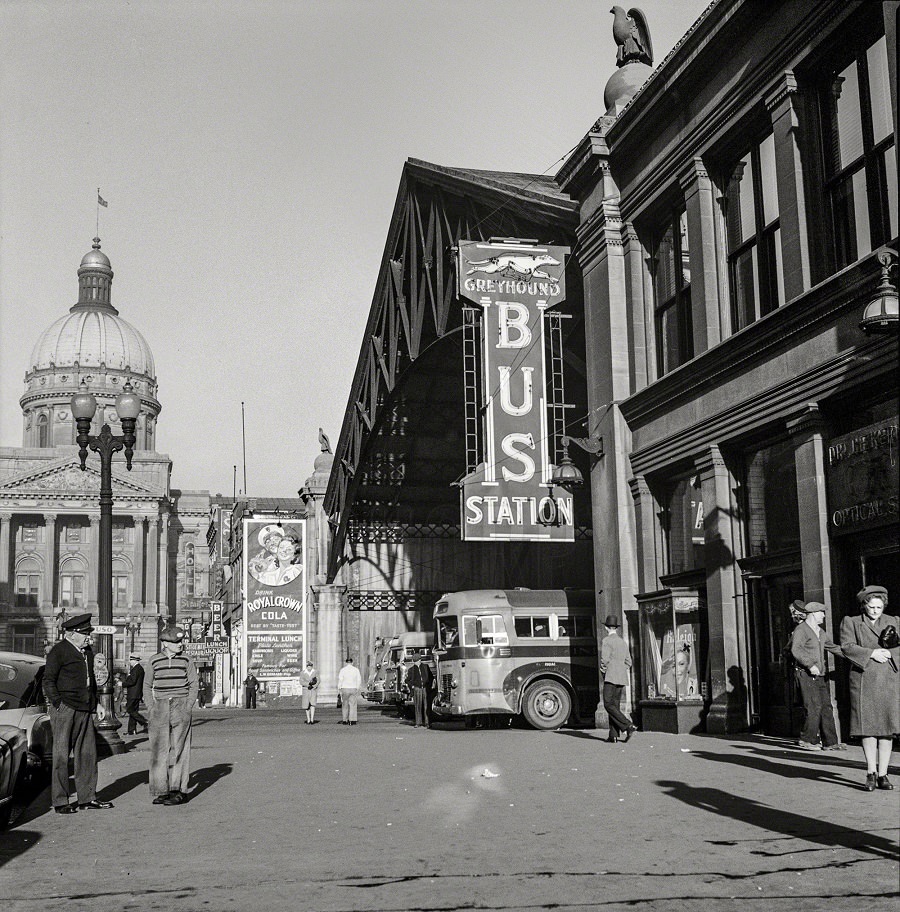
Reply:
x=670, y=640
x=773, y=522
x=682, y=521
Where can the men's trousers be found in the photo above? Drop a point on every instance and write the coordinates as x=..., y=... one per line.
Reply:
x=349, y=699
x=250, y=699
x=170, y=745
x=135, y=718
x=420, y=705
x=73, y=730
x=612, y=697
x=819, y=712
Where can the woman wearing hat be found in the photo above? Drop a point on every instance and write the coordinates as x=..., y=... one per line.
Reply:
x=309, y=679
x=874, y=682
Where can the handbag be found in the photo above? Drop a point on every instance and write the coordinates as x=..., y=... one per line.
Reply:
x=889, y=639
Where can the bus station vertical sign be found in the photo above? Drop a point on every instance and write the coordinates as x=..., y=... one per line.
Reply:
x=274, y=619
x=509, y=497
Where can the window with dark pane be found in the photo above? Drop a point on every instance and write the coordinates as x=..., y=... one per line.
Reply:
x=753, y=235
x=682, y=522
x=773, y=519
x=672, y=293
x=858, y=148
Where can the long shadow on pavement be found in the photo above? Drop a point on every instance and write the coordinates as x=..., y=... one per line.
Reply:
x=805, y=770
x=15, y=843
x=202, y=779
x=773, y=819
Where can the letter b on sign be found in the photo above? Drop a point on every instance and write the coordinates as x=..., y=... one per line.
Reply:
x=513, y=317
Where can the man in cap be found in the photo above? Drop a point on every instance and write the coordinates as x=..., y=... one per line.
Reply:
x=170, y=691
x=134, y=691
x=71, y=690
x=808, y=646
x=615, y=660
x=420, y=681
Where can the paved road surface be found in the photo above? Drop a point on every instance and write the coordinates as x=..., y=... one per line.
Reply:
x=383, y=816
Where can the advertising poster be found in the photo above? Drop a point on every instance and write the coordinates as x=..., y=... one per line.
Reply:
x=274, y=628
x=509, y=497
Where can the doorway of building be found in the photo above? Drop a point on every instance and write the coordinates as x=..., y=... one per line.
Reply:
x=775, y=696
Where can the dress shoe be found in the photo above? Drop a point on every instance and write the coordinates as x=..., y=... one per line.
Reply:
x=161, y=799
x=351, y=723
x=885, y=783
x=174, y=798
x=870, y=782
x=95, y=805
x=834, y=747
x=629, y=732
x=808, y=746
x=612, y=739
x=66, y=809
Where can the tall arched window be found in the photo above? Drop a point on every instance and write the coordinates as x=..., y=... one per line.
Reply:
x=71, y=584
x=120, y=576
x=43, y=431
x=28, y=584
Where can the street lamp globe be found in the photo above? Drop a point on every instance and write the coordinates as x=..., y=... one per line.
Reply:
x=128, y=403
x=84, y=405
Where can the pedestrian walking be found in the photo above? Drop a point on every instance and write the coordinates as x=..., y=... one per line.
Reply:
x=809, y=643
x=251, y=688
x=349, y=685
x=866, y=640
x=420, y=680
x=71, y=690
x=615, y=660
x=170, y=691
x=134, y=692
x=309, y=681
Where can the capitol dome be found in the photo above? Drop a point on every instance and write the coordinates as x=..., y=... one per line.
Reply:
x=94, y=345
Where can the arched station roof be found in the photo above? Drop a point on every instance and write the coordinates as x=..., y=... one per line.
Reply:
x=402, y=446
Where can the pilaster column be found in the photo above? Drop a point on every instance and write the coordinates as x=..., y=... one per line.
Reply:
x=152, y=575
x=807, y=431
x=94, y=571
x=329, y=639
x=645, y=534
x=724, y=660
x=164, y=566
x=6, y=596
x=137, y=582
x=782, y=102
x=50, y=560
x=700, y=204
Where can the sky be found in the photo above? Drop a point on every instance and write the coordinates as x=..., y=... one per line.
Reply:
x=250, y=153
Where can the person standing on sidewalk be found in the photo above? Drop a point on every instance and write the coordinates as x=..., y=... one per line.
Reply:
x=615, y=660
x=420, y=680
x=134, y=691
x=809, y=644
x=251, y=687
x=309, y=681
x=170, y=691
x=349, y=684
x=874, y=682
x=71, y=689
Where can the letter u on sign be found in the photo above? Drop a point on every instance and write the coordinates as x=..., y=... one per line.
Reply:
x=506, y=398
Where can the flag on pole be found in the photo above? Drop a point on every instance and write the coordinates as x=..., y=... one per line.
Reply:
x=101, y=201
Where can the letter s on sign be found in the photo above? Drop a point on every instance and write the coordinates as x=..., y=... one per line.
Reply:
x=472, y=504
x=519, y=322
x=508, y=447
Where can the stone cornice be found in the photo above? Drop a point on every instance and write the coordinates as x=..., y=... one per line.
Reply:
x=583, y=167
x=710, y=462
x=782, y=88
x=810, y=421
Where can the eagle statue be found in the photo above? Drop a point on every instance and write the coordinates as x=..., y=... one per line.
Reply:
x=632, y=35
x=324, y=442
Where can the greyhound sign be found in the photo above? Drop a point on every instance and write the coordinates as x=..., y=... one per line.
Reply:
x=509, y=496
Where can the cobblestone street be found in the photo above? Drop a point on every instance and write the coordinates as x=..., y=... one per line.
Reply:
x=384, y=816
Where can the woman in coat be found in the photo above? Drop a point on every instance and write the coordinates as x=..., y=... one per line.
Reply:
x=874, y=683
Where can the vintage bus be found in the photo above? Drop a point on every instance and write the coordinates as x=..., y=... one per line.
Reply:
x=517, y=651
x=401, y=653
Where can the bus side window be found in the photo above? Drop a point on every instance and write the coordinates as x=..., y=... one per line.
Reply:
x=470, y=631
x=493, y=631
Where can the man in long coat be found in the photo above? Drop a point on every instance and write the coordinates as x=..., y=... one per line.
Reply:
x=134, y=690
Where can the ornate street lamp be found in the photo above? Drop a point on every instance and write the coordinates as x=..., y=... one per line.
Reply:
x=880, y=316
x=128, y=407
x=567, y=474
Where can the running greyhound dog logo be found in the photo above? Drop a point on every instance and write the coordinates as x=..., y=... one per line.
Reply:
x=515, y=266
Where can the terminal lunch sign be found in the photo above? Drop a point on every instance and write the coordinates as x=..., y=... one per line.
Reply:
x=509, y=496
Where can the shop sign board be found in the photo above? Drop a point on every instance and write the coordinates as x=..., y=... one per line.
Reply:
x=863, y=482
x=274, y=616
x=509, y=496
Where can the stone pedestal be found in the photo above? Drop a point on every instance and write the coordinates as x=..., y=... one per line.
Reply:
x=329, y=607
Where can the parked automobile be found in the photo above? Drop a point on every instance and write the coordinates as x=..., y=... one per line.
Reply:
x=12, y=768
x=374, y=689
x=402, y=652
x=22, y=705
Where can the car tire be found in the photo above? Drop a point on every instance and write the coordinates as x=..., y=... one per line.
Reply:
x=546, y=705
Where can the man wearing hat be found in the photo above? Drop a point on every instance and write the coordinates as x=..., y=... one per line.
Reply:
x=808, y=646
x=71, y=690
x=170, y=691
x=615, y=660
x=134, y=690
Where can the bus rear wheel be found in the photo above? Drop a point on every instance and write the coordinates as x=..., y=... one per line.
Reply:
x=546, y=705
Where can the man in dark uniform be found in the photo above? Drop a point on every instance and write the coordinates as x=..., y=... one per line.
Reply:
x=251, y=686
x=71, y=691
x=134, y=689
x=420, y=680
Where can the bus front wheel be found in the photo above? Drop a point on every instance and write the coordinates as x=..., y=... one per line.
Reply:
x=546, y=705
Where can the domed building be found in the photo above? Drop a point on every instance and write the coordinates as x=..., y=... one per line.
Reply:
x=49, y=507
